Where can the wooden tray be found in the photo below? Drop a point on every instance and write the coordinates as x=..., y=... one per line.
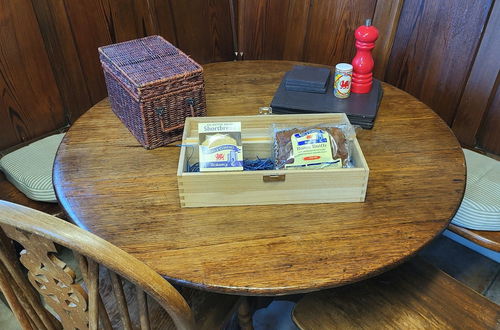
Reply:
x=267, y=187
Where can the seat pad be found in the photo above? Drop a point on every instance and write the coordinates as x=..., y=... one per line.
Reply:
x=30, y=168
x=480, y=208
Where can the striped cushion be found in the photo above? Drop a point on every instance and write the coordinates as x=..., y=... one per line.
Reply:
x=30, y=168
x=480, y=208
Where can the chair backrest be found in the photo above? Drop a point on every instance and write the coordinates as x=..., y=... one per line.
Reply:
x=54, y=280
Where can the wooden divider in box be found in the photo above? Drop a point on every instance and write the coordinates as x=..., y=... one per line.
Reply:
x=198, y=189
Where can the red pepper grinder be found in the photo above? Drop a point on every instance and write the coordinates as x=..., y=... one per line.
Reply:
x=362, y=63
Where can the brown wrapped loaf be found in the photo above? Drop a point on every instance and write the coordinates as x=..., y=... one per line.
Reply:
x=283, y=145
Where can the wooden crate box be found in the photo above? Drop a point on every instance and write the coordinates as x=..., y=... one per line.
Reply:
x=199, y=189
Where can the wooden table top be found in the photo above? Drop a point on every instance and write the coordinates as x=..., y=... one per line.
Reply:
x=111, y=186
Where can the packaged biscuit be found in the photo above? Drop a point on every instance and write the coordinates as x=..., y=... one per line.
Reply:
x=220, y=147
x=315, y=147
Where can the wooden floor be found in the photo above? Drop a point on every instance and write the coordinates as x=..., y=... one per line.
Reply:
x=474, y=270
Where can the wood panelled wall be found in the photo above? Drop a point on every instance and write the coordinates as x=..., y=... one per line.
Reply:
x=434, y=49
x=443, y=52
x=477, y=120
x=49, y=65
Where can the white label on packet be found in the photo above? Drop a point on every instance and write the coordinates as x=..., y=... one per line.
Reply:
x=219, y=127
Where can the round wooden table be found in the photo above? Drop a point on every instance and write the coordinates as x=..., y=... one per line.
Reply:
x=111, y=186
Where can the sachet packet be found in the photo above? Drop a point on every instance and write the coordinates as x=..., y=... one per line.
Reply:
x=220, y=147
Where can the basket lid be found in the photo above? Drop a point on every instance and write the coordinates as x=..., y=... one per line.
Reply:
x=146, y=61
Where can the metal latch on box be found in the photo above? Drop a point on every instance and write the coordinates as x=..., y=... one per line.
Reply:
x=274, y=178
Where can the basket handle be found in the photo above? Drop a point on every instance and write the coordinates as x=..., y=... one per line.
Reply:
x=161, y=111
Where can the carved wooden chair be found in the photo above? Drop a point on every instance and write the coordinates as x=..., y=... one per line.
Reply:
x=160, y=305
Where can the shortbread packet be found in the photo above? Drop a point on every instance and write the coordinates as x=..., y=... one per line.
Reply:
x=220, y=147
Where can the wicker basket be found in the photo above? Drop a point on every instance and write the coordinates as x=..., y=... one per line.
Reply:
x=152, y=88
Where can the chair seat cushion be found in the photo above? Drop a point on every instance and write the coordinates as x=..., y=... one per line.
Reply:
x=30, y=168
x=480, y=208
